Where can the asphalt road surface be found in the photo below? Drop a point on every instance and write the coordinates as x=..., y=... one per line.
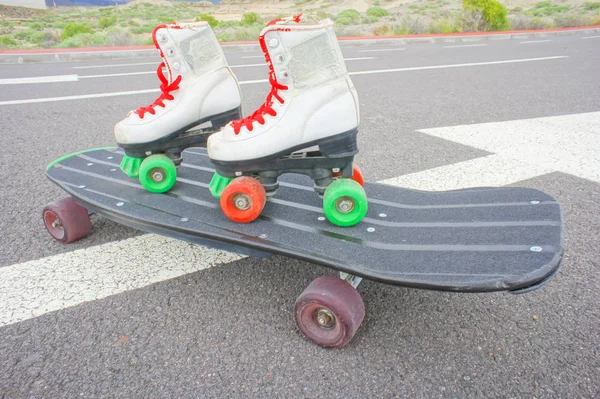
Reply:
x=126, y=314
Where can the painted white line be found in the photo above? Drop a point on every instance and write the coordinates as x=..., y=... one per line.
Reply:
x=472, y=64
x=116, y=65
x=522, y=149
x=254, y=56
x=37, y=287
x=466, y=45
x=590, y=37
x=79, y=97
x=39, y=79
x=360, y=58
x=381, y=49
x=251, y=82
x=110, y=75
x=491, y=171
x=535, y=41
x=135, y=92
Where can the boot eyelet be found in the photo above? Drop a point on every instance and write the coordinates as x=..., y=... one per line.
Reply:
x=273, y=42
x=170, y=51
x=176, y=66
x=280, y=58
x=285, y=74
x=163, y=38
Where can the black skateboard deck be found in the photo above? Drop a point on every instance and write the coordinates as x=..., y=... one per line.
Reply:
x=473, y=240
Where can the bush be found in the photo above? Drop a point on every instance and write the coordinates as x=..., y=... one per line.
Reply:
x=382, y=30
x=50, y=39
x=30, y=35
x=592, y=5
x=73, y=29
x=250, y=18
x=377, y=12
x=212, y=21
x=443, y=25
x=350, y=15
x=548, y=8
x=493, y=13
x=85, y=40
x=7, y=41
x=119, y=37
x=106, y=22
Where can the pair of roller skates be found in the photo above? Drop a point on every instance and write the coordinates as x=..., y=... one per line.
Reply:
x=308, y=123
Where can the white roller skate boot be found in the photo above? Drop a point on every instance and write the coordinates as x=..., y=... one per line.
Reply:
x=312, y=99
x=199, y=88
x=308, y=124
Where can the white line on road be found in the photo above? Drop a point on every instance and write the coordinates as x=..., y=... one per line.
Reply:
x=466, y=45
x=423, y=68
x=116, y=65
x=591, y=37
x=535, y=41
x=39, y=79
x=254, y=56
x=381, y=49
x=522, y=149
x=44, y=285
x=471, y=64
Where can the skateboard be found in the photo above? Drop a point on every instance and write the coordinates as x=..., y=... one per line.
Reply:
x=470, y=240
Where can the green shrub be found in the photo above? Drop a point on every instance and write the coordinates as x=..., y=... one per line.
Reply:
x=7, y=41
x=85, y=40
x=322, y=15
x=250, y=18
x=35, y=25
x=212, y=21
x=548, y=8
x=493, y=13
x=30, y=35
x=369, y=20
x=443, y=25
x=351, y=15
x=74, y=28
x=50, y=39
x=106, y=22
x=133, y=23
x=377, y=12
x=592, y=5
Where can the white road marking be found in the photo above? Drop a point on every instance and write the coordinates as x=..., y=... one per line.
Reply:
x=254, y=56
x=44, y=285
x=39, y=79
x=116, y=65
x=381, y=49
x=422, y=68
x=535, y=41
x=590, y=37
x=522, y=149
x=471, y=64
x=110, y=75
x=466, y=45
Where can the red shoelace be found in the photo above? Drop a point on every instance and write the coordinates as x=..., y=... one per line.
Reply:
x=166, y=89
x=266, y=108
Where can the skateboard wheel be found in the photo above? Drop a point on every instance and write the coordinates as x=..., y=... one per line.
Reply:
x=66, y=220
x=329, y=312
x=357, y=175
x=345, y=202
x=158, y=173
x=243, y=199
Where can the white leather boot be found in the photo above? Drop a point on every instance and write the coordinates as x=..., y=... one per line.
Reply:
x=312, y=100
x=199, y=87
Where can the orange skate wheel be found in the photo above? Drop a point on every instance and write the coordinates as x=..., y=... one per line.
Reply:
x=243, y=199
x=357, y=175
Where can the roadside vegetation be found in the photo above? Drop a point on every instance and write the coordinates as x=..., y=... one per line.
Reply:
x=132, y=24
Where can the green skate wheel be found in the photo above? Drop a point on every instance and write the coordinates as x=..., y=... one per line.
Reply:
x=345, y=202
x=131, y=166
x=218, y=184
x=158, y=174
